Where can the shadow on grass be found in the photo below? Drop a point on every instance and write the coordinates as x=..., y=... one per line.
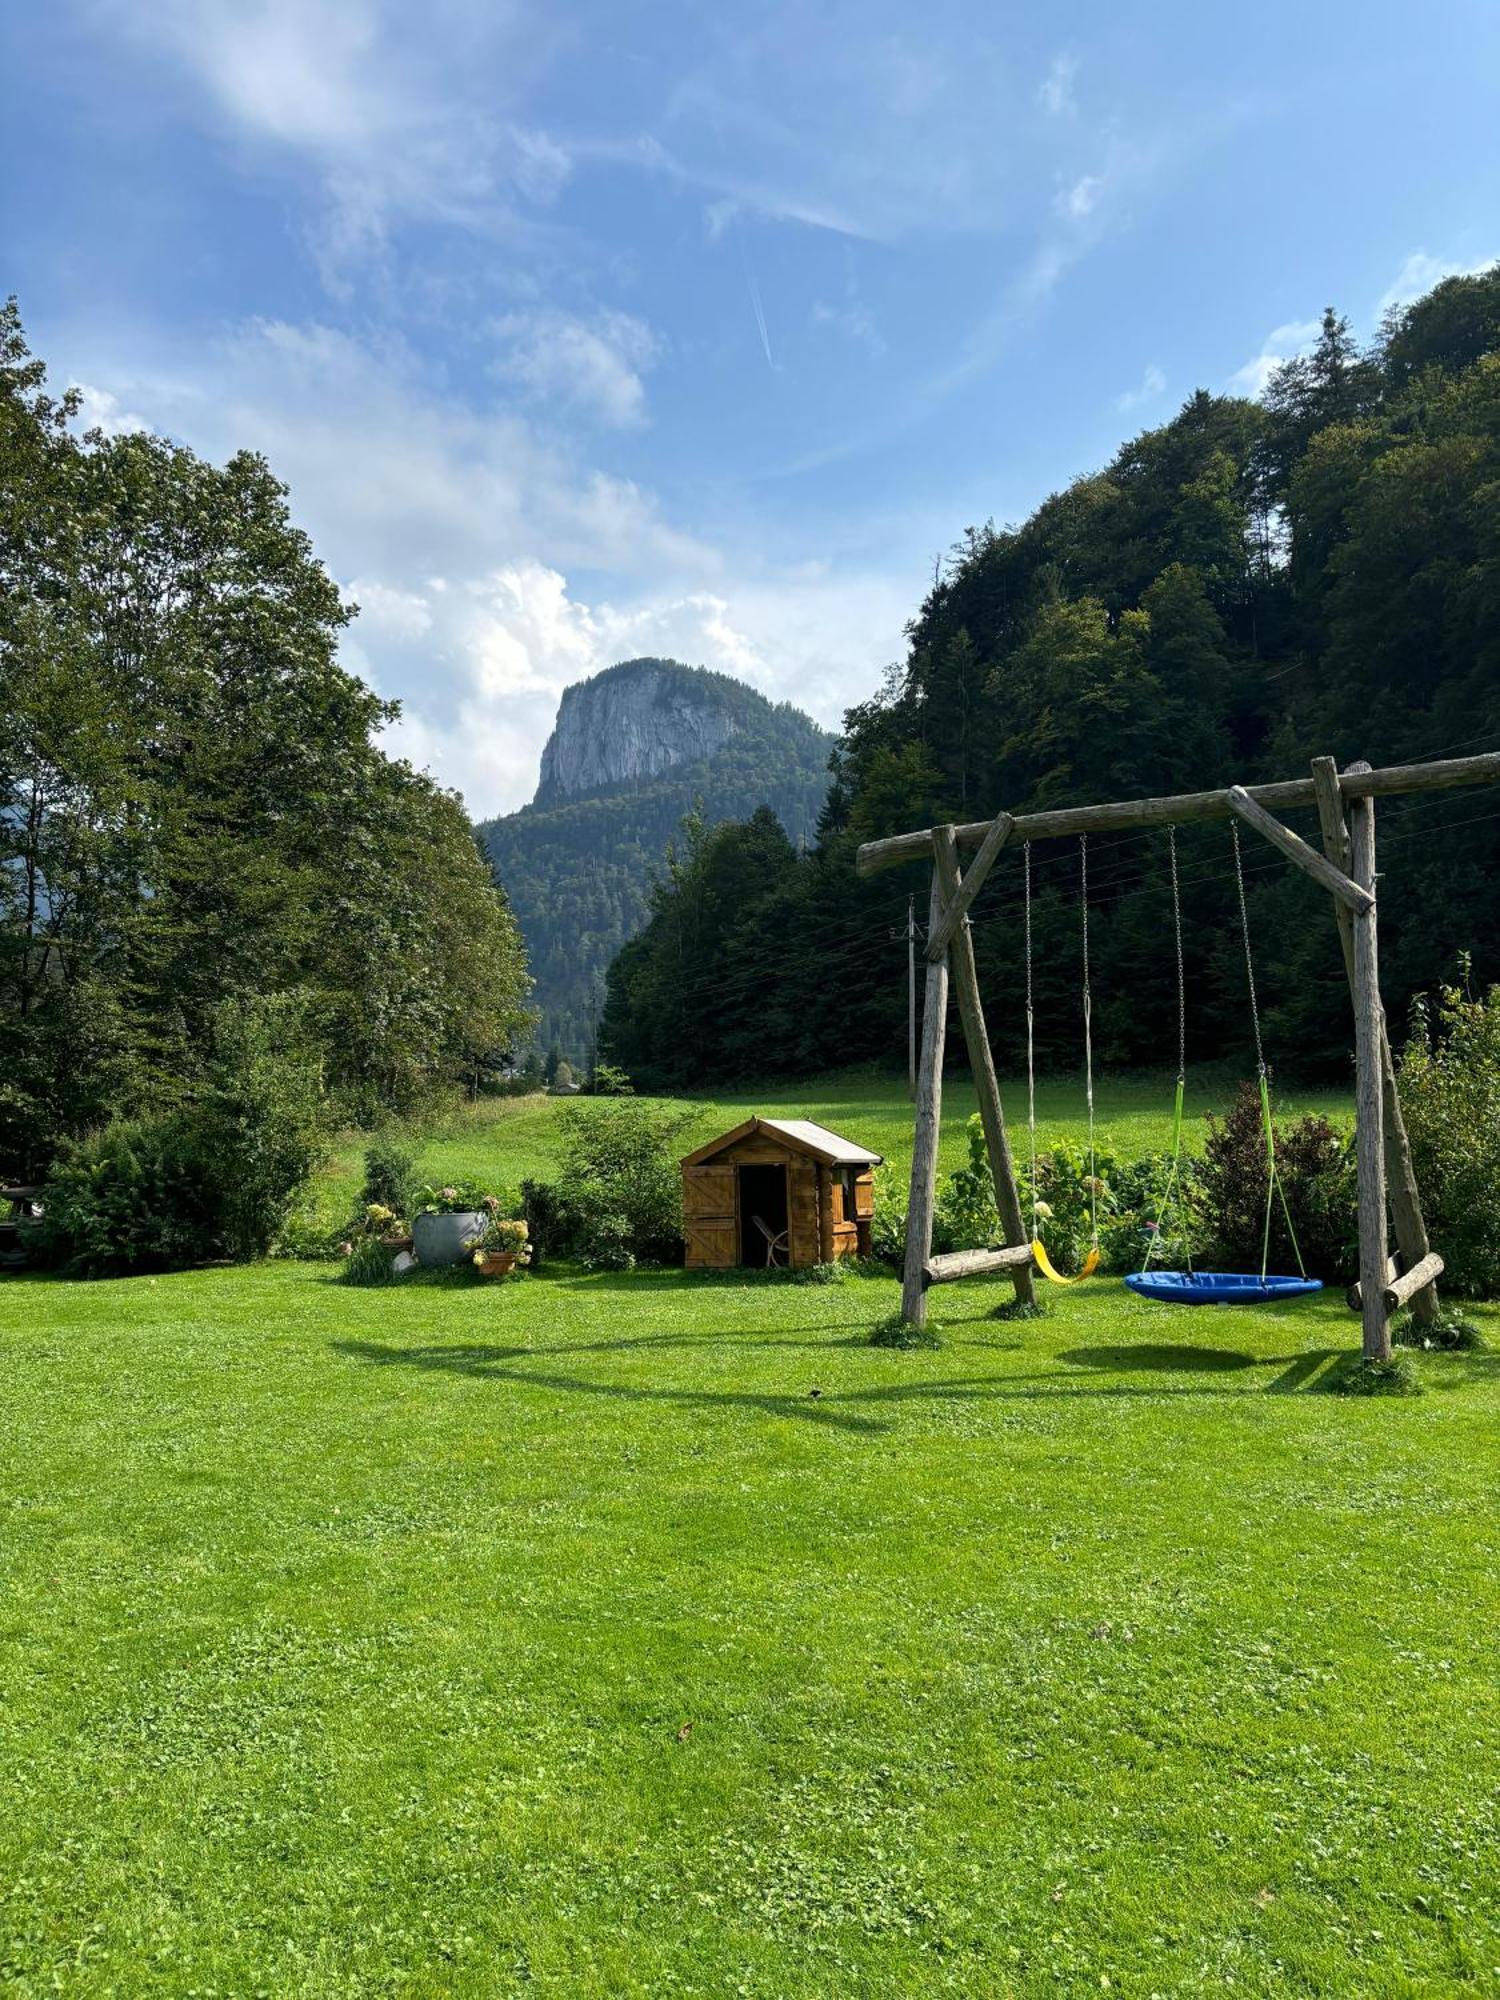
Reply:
x=1299, y=1371
x=487, y=1363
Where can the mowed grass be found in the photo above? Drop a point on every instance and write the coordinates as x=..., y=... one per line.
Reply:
x=654, y=1635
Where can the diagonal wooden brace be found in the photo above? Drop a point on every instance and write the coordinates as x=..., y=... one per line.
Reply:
x=946, y=929
x=1295, y=848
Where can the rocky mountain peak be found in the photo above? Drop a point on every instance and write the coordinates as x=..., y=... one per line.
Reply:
x=637, y=720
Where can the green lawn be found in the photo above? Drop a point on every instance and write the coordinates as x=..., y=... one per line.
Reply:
x=556, y=1638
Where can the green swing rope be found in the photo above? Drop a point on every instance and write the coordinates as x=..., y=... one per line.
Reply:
x=1030, y=1043
x=1088, y=1044
x=1173, y=1189
x=1273, y=1178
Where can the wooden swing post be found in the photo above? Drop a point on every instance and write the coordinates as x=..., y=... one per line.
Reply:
x=950, y=950
x=1345, y=803
x=977, y=1041
x=1400, y=1175
x=924, y=1152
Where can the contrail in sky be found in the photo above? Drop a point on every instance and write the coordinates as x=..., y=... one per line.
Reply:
x=755, y=299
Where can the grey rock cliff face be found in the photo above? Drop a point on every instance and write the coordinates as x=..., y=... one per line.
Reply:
x=631, y=721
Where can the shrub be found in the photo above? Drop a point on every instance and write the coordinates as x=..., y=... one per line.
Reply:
x=307, y=1236
x=1315, y=1165
x=609, y=1080
x=390, y=1178
x=550, y=1221
x=137, y=1196
x=1071, y=1202
x=218, y=1179
x=620, y=1184
x=1450, y=1092
x=888, y=1224
x=964, y=1216
x=262, y=1133
x=1150, y=1216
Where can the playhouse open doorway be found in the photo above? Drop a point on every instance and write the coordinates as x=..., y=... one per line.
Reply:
x=763, y=1216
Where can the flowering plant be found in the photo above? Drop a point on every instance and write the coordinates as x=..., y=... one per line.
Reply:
x=457, y=1198
x=501, y=1237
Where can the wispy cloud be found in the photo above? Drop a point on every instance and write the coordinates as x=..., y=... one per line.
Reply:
x=591, y=366
x=1280, y=345
x=398, y=117
x=1421, y=271
x=1055, y=94
x=1081, y=198
x=1152, y=384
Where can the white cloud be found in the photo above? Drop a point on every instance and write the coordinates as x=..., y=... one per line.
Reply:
x=1055, y=94
x=1151, y=385
x=401, y=115
x=1278, y=347
x=100, y=411
x=1081, y=198
x=594, y=366
x=464, y=536
x=1421, y=272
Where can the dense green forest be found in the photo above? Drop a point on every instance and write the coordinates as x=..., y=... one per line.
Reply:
x=194, y=809
x=1250, y=585
x=579, y=870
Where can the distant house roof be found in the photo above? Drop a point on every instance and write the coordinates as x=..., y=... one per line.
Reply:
x=800, y=1133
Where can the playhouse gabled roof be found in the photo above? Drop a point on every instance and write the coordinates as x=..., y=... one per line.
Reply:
x=799, y=1133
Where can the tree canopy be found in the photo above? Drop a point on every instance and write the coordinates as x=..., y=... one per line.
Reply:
x=193, y=800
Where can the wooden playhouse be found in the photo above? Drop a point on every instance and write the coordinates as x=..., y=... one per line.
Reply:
x=779, y=1191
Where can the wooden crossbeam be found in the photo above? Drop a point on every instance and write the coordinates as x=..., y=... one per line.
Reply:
x=1296, y=850
x=1186, y=807
x=958, y=908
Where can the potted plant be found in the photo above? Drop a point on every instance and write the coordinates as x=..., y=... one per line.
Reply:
x=387, y=1225
x=500, y=1248
x=448, y=1219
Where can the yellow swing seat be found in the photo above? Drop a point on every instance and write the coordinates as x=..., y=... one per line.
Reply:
x=1049, y=1270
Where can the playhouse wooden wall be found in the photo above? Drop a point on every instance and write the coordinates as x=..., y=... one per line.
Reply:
x=817, y=1229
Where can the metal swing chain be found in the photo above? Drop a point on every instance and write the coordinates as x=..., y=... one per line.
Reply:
x=1088, y=1043
x=1181, y=981
x=1239, y=883
x=1273, y=1178
x=1030, y=1038
x=1173, y=1189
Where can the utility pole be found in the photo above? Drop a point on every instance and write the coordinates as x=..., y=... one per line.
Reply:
x=910, y=934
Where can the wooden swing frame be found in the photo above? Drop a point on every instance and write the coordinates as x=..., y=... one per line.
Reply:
x=1345, y=804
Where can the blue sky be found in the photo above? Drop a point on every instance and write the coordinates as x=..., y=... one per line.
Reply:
x=581, y=331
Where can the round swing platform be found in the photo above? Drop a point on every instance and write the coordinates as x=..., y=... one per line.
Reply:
x=1218, y=1288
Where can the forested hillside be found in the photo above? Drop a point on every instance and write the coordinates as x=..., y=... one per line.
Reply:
x=579, y=869
x=1247, y=586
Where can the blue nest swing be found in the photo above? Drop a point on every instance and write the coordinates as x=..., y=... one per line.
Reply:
x=1221, y=1288
x=1218, y=1288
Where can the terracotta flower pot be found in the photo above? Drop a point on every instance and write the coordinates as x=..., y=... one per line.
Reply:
x=496, y=1264
x=395, y=1241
